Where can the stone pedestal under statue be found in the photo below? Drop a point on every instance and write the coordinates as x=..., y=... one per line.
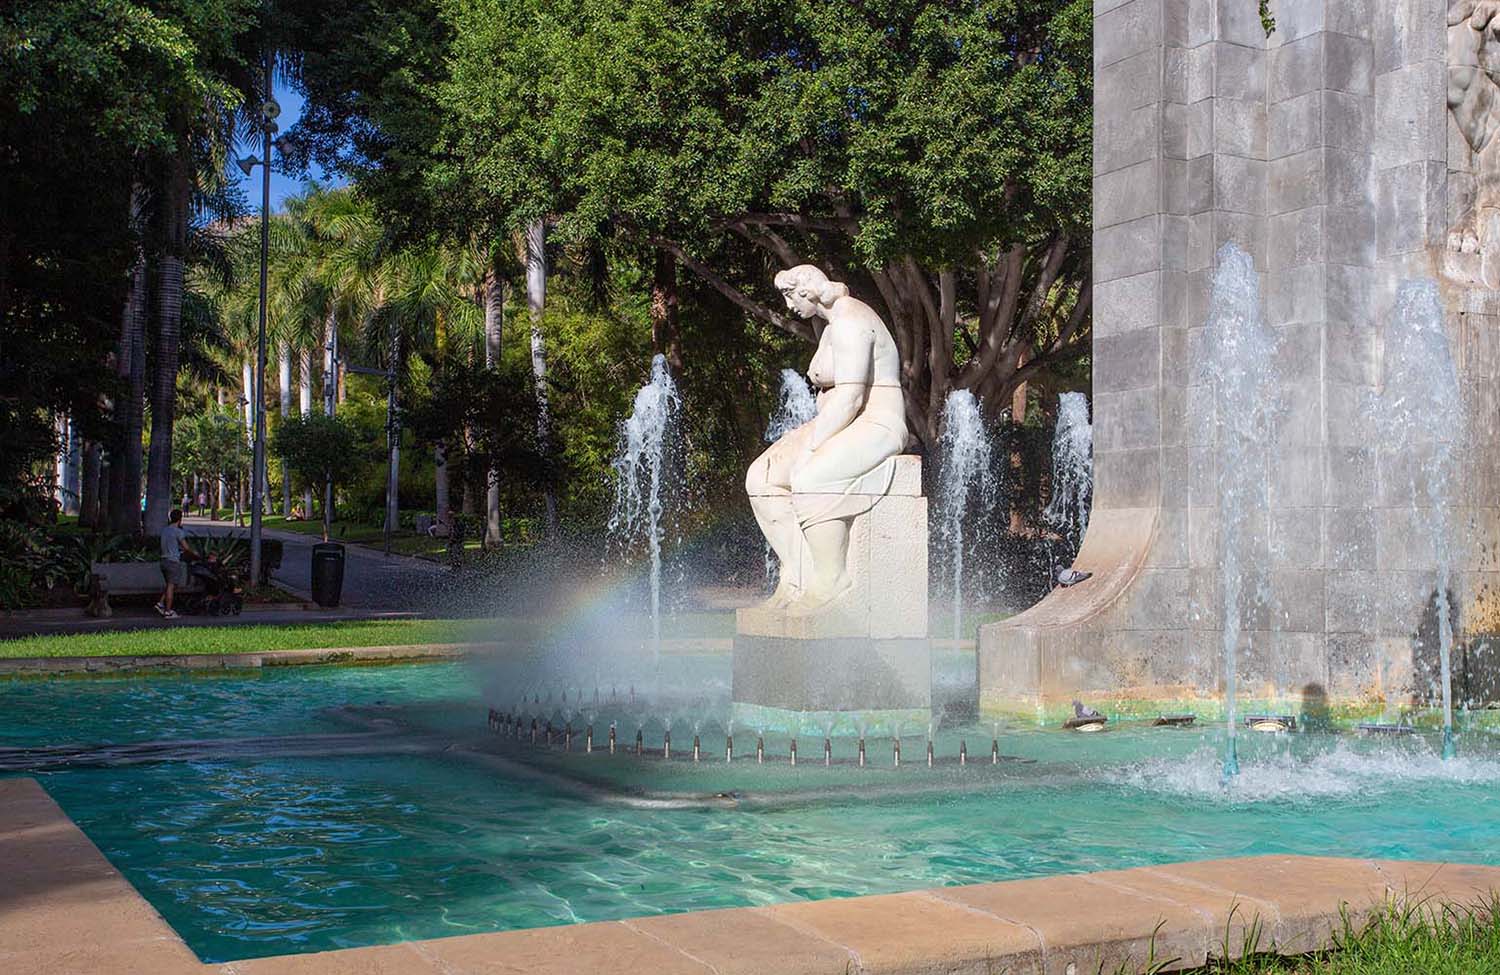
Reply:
x=867, y=651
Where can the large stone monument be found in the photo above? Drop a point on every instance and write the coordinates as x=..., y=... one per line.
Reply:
x=1350, y=150
x=842, y=507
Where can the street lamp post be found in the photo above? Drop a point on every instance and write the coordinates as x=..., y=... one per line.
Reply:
x=268, y=112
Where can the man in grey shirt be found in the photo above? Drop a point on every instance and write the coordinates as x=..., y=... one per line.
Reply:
x=173, y=543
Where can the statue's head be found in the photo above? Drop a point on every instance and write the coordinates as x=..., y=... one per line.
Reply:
x=807, y=290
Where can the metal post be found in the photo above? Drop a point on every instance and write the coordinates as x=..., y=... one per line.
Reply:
x=258, y=459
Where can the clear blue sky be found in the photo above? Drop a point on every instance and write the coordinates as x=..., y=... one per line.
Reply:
x=282, y=186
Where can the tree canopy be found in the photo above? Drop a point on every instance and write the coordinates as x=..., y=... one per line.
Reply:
x=933, y=154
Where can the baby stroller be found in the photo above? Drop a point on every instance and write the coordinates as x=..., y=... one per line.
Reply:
x=223, y=593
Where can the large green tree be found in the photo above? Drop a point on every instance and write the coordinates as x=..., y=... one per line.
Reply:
x=114, y=118
x=933, y=154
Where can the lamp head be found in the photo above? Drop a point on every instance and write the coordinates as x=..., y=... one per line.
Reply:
x=247, y=164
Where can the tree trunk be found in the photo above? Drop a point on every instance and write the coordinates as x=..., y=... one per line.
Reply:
x=304, y=406
x=125, y=468
x=470, y=503
x=88, y=507
x=1017, y=462
x=60, y=463
x=494, y=330
x=666, y=339
x=330, y=360
x=536, y=306
x=440, y=479
x=284, y=382
x=175, y=199
x=247, y=399
x=221, y=493
x=69, y=481
x=393, y=443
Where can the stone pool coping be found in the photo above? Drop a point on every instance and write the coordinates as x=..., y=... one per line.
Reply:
x=64, y=908
x=125, y=663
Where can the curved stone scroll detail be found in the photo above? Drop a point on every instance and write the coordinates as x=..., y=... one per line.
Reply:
x=1056, y=648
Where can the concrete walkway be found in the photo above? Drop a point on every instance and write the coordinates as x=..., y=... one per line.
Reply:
x=376, y=586
x=372, y=580
x=64, y=908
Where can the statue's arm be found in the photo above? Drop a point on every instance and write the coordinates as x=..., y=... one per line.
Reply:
x=853, y=371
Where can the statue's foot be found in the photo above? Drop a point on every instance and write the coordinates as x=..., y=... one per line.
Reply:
x=817, y=599
x=784, y=596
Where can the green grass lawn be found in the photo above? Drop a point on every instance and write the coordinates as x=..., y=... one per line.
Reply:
x=312, y=636
x=373, y=536
x=248, y=639
x=1423, y=939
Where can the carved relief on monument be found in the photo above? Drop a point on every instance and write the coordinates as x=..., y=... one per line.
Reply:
x=1474, y=176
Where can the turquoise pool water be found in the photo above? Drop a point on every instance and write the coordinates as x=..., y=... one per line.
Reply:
x=269, y=856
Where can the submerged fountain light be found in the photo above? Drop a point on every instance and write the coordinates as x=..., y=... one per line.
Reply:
x=1085, y=718
x=1376, y=728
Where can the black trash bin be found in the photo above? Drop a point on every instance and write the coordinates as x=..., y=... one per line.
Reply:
x=327, y=573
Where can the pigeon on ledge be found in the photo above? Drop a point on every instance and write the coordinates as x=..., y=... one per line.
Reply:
x=1071, y=577
x=1081, y=710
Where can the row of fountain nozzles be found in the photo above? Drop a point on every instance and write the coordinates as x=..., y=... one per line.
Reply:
x=544, y=732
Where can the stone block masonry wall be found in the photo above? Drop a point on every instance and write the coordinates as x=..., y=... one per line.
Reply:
x=1324, y=152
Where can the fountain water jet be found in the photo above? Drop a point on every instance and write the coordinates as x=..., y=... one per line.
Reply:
x=647, y=440
x=966, y=481
x=1423, y=420
x=795, y=406
x=1072, y=474
x=1240, y=361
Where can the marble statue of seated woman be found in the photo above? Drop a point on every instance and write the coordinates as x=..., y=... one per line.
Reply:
x=807, y=487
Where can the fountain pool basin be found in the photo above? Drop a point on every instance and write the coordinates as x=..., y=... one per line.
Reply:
x=270, y=854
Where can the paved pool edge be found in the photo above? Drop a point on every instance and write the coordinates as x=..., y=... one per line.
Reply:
x=132, y=663
x=128, y=663
x=64, y=908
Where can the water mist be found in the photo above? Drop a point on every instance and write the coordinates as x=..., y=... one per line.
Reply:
x=1072, y=472
x=647, y=440
x=1240, y=362
x=795, y=406
x=1422, y=426
x=966, y=482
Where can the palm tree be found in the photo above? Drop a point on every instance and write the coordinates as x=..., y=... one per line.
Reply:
x=535, y=250
x=429, y=307
x=173, y=214
x=125, y=468
x=492, y=297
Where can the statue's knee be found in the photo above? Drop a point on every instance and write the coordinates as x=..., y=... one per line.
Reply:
x=755, y=479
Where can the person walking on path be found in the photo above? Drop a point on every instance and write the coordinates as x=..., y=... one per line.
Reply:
x=173, y=544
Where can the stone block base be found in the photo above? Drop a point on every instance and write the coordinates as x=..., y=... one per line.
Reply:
x=837, y=674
